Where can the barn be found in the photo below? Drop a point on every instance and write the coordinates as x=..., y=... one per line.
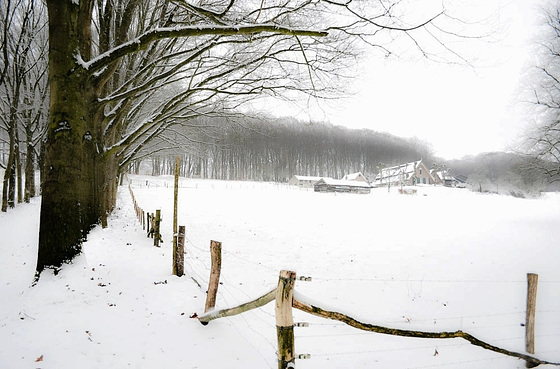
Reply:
x=338, y=185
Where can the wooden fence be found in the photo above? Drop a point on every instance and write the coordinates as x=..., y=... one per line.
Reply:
x=152, y=224
x=286, y=299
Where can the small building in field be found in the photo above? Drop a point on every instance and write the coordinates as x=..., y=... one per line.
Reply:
x=447, y=179
x=340, y=185
x=409, y=174
x=303, y=181
x=356, y=177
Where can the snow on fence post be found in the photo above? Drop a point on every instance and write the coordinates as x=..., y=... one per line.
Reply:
x=179, y=264
x=285, y=320
x=156, y=222
x=532, y=282
x=215, y=269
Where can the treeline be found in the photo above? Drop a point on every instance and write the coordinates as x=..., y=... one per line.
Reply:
x=504, y=173
x=274, y=149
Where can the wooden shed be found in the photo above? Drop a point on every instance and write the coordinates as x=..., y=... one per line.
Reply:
x=336, y=185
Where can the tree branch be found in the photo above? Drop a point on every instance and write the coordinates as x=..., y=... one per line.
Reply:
x=145, y=39
x=314, y=310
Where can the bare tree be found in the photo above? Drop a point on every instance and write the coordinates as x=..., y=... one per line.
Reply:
x=543, y=141
x=116, y=67
x=23, y=80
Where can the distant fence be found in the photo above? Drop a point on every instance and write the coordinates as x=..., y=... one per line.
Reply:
x=286, y=299
x=150, y=222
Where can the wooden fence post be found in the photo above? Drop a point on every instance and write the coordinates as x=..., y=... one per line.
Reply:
x=175, y=197
x=285, y=320
x=156, y=222
x=215, y=269
x=179, y=265
x=532, y=282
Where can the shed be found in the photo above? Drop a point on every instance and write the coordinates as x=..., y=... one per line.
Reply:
x=340, y=185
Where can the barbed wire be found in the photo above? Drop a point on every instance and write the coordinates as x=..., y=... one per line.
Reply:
x=415, y=280
x=229, y=292
x=447, y=364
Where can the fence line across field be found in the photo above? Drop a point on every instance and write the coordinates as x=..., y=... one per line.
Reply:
x=287, y=299
x=198, y=275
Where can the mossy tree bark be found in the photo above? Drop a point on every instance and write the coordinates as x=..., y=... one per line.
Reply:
x=69, y=205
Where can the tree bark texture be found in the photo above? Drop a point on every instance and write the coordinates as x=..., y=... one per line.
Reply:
x=179, y=264
x=284, y=319
x=215, y=270
x=532, y=283
x=70, y=205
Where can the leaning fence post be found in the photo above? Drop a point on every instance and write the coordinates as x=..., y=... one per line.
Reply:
x=179, y=259
x=532, y=282
x=285, y=320
x=215, y=269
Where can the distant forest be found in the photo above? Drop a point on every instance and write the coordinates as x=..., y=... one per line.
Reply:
x=274, y=149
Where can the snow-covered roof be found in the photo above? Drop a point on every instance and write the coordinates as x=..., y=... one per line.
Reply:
x=353, y=176
x=445, y=175
x=308, y=178
x=398, y=170
x=342, y=182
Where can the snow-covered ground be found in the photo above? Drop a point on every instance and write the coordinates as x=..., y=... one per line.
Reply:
x=443, y=259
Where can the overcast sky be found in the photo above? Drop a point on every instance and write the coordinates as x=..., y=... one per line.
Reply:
x=460, y=110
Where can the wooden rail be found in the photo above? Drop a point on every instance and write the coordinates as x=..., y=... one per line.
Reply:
x=286, y=298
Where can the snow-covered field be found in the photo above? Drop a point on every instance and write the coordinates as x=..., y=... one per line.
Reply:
x=444, y=259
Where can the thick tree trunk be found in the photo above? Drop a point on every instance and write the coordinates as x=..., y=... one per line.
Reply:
x=70, y=206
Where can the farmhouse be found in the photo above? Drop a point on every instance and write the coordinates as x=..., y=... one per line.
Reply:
x=340, y=185
x=303, y=181
x=408, y=174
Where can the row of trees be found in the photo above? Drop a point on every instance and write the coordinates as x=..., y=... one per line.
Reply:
x=23, y=96
x=122, y=73
x=269, y=149
x=503, y=173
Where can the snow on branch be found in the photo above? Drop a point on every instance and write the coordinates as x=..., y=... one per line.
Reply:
x=142, y=41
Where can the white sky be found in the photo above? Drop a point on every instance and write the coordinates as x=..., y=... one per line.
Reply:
x=459, y=110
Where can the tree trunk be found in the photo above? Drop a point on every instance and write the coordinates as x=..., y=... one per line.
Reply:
x=29, y=165
x=19, y=180
x=70, y=205
x=9, y=183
